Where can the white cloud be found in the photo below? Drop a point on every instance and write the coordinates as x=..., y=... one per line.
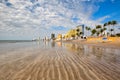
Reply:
x=35, y=19
x=103, y=18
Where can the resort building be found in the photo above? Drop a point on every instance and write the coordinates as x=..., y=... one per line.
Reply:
x=59, y=37
x=81, y=29
x=71, y=33
x=75, y=33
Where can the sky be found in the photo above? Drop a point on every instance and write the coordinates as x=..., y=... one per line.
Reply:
x=29, y=19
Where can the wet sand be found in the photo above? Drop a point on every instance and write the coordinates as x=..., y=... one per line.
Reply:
x=60, y=62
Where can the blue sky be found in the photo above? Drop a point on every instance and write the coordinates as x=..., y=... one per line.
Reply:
x=108, y=8
x=28, y=19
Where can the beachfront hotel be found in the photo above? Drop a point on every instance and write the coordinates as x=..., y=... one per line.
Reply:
x=75, y=33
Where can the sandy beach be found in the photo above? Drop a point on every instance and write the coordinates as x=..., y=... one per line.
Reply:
x=112, y=42
x=59, y=39
x=58, y=61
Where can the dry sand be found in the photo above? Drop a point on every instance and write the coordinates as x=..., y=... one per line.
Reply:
x=113, y=42
x=57, y=63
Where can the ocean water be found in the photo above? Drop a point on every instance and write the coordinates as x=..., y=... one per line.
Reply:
x=10, y=45
x=14, y=41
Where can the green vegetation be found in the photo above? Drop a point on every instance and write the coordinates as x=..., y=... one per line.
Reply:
x=93, y=31
x=99, y=30
x=118, y=34
x=107, y=29
x=53, y=36
x=88, y=29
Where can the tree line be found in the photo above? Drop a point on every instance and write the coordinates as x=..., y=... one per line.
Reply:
x=100, y=30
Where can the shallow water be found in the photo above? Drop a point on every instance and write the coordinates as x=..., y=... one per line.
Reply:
x=58, y=61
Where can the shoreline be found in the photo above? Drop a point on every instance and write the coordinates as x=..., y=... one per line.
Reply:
x=100, y=43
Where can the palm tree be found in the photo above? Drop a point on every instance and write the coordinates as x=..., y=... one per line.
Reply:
x=93, y=31
x=114, y=23
x=98, y=33
x=101, y=31
x=53, y=36
x=98, y=27
x=105, y=24
x=111, y=31
x=89, y=28
x=78, y=34
x=109, y=23
x=81, y=33
x=86, y=29
x=78, y=30
x=104, y=29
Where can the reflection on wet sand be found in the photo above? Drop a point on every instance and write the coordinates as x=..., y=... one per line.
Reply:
x=101, y=53
x=61, y=62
